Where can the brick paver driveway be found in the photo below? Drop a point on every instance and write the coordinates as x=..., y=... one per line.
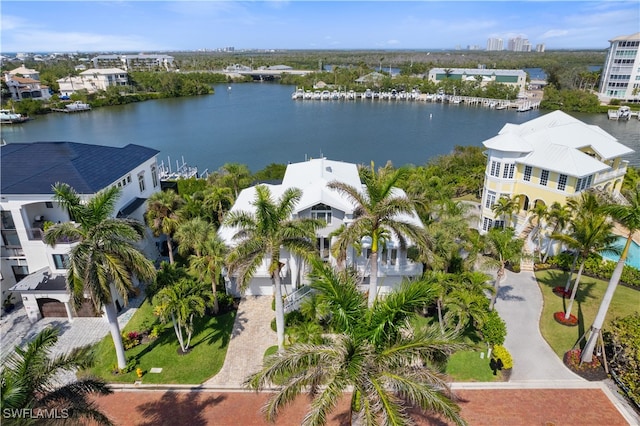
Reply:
x=543, y=407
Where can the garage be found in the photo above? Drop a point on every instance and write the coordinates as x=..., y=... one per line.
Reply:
x=52, y=308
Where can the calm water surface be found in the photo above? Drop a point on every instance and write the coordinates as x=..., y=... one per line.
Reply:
x=259, y=124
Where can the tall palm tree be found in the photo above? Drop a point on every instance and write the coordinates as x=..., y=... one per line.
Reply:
x=377, y=215
x=629, y=217
x=162, y=215
x=506, y=207
x=559, y=215
x=504, y=248
x=539, y=215
x=106, y=258
x=375, y=353
x=28, y=382
x=181, y=302
x=589, y=234
x=262, y=233
x=219, y=200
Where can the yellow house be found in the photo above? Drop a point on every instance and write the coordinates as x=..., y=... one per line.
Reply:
x=548, y=159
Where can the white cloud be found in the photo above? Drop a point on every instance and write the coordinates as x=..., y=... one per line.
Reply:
x=554, y=33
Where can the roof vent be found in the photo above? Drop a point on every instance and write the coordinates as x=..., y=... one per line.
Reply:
x=328, y=168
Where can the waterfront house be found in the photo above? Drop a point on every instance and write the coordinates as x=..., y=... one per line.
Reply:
x=320, y=202
x=546, y=160
x=515, y=78
x=24, y=83
x=93, y=80
x=30, y=268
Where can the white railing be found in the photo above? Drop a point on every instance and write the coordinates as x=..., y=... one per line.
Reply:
x=294, y=300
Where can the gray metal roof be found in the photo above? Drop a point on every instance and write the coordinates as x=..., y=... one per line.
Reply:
x=32, y=168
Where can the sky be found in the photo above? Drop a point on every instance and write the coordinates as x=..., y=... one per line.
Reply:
x=146, y=26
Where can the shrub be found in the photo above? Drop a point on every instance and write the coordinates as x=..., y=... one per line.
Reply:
x=501, y=353
x=225, y=302
x=131, y=339
x=622, y=341
x=494, y=329
x=155, y=331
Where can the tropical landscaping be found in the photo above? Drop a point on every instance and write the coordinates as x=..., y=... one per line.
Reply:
x=390, y=352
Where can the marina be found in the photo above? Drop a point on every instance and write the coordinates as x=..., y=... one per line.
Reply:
x=521, y=104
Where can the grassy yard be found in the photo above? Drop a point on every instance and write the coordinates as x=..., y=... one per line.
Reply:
x=467, y=366
x=208, y=349
x=562, y=338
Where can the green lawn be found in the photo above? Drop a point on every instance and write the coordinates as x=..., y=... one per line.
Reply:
x=467, y=366
x=208, y=349
x=562, y=338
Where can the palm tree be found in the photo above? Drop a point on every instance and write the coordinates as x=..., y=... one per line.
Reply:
x=559, y=215
x=506, y=207
x=209, y=264
x=219, y=200
x=629, y=217
x=589, y=234
x=28, y=382
x=375, y=353
x=181, y=302
x=162, y=215
x=377, y=215
x=539, y=214
x=262, y=234
x=505, y=248
x=465, y=307
x=105, y=259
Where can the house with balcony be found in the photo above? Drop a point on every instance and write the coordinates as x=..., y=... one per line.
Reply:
x=24, y=83
x=93, y=80
x=548, y=159
x=320, y=202
x=31, y=269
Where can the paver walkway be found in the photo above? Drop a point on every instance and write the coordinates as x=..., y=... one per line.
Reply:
x=519, y=304
x=250, y=338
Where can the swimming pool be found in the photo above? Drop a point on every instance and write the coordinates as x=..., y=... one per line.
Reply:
x=633, y=257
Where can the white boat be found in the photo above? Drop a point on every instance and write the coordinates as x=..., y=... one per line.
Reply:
x=368, y=94
x=622, y=113
x=77, y=106
x=298, y=94
x=10, y=117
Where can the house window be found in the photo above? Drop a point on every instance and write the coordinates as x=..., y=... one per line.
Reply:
x=495, y=169
x=48, y=204
x=141, y=181
x=394, y=256
x=491, y=199
x=154, y=176
x=527, y=173
x=322, y=212
x=584, y=183
x=486, y=224
x=20, y=271
x=508, y=171
x=498, y=224
x=562, y=182
x=61, y=261
x=544, y=177
x=324, y=247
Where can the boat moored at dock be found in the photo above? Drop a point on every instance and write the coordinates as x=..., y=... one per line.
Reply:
x=10, y=117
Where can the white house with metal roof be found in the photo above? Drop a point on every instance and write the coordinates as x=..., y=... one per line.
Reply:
x=547, y=160
x=31, y=268
x=321, y=202
x=93, y=80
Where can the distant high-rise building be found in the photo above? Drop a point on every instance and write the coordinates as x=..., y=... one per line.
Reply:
x=519, y=44
x=621, y=73
x=540, y=48
x=495, y=44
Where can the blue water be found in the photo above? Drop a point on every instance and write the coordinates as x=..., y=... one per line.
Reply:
x=633, y=257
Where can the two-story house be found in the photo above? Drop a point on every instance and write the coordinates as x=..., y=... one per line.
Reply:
x=320, y=202
x=93, y=80
x=32, y=269
x=547, y=160
x=24, y=83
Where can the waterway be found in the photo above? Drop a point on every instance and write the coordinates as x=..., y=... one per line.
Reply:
x=258, y=124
